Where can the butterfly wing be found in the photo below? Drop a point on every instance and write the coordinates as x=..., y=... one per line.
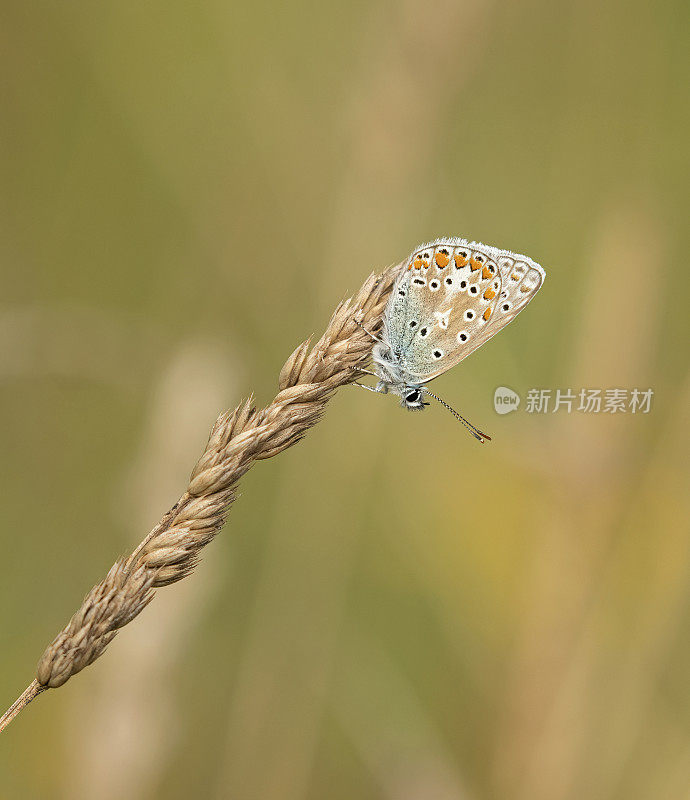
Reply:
x=451, y=297
x=415, y=291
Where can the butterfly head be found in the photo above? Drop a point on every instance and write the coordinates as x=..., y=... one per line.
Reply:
x=412, y=398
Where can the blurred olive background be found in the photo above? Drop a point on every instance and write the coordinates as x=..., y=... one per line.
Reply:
x=392, y=610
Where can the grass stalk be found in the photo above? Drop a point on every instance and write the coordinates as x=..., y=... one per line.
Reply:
x=237, y=440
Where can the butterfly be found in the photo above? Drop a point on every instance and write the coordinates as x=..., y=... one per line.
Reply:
x=450, y=297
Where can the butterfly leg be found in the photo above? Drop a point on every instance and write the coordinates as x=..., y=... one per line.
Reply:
x=368, y=388
x=381, y=387
x=368, y=333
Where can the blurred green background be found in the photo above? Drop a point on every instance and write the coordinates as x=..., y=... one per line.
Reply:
x=392, y=610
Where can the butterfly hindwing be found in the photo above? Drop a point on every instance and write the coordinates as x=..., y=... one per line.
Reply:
x=451, y=297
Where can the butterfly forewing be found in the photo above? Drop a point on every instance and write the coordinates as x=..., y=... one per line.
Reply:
x=451, y=297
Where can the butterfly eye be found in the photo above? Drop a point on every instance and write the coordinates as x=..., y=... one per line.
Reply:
x=413, y=397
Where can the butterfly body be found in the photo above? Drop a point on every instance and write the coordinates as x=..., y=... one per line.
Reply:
x=451, y=296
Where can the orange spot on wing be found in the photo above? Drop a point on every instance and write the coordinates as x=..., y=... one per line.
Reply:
x=442, y=260
x=515, y=276
x=486, y=274
x=418, y=263
x=460, y=261
x=489, y=294
x=524, y=288
x=475, y=265
x=487, y=314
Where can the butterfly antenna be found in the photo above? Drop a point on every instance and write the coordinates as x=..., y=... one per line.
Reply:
x=478, y=435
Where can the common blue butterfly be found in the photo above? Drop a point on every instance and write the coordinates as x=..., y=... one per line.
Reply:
x=451, y=296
